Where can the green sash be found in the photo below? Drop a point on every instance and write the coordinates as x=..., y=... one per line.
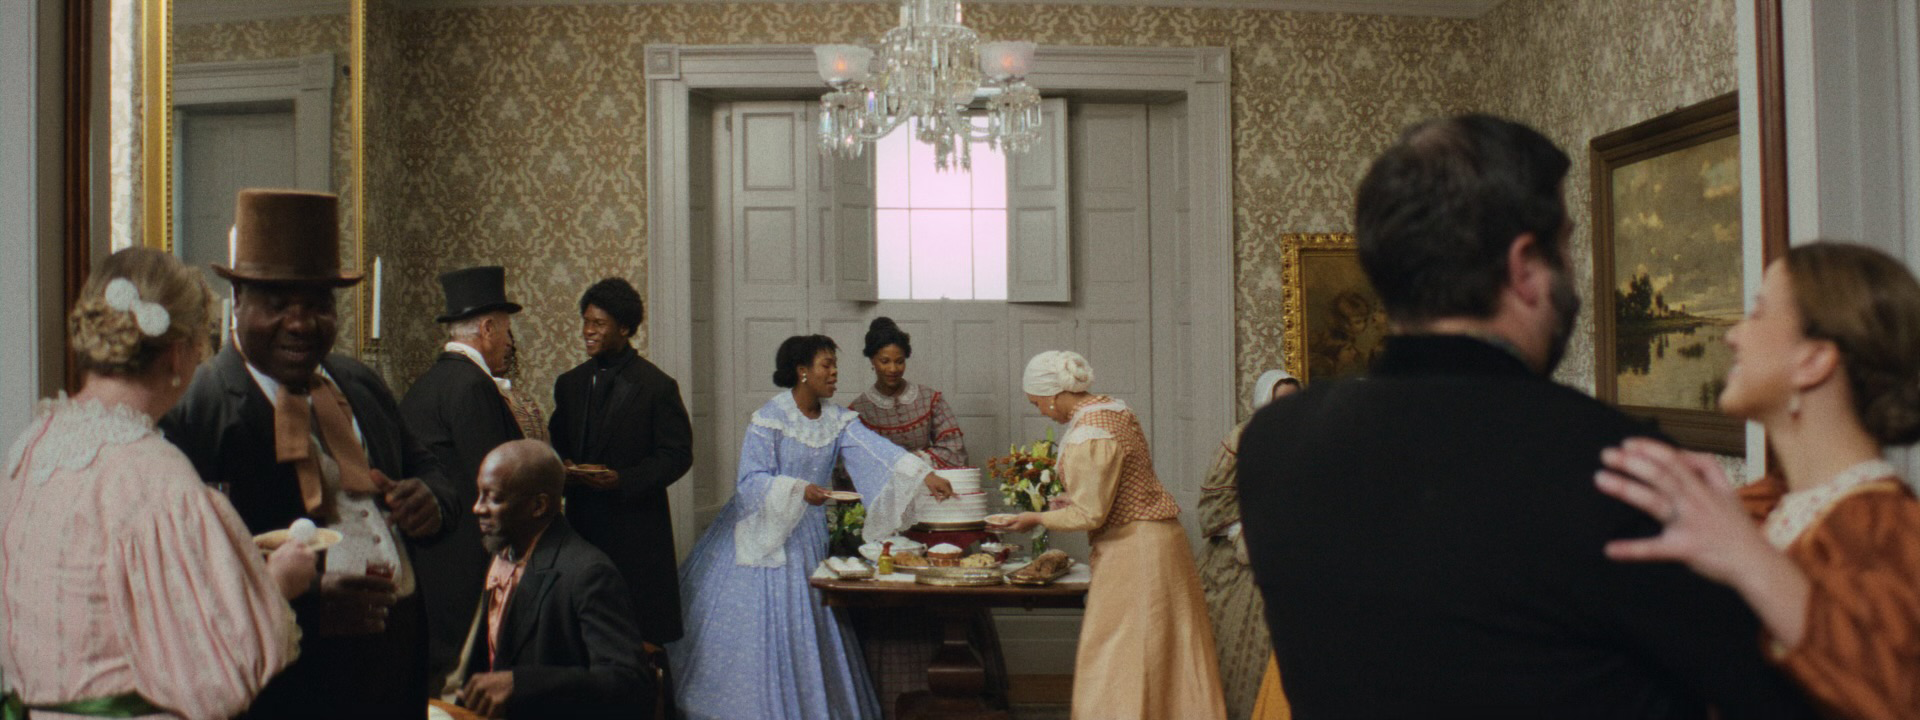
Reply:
x=118, y=706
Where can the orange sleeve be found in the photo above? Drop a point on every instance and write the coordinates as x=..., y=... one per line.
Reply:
x=1860, y=657
x=1762, y=495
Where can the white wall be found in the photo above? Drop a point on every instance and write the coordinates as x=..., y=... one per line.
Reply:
x=19, y=217
x=1853, y=128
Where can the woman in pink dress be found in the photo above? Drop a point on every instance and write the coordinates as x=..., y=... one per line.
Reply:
x=127, y=587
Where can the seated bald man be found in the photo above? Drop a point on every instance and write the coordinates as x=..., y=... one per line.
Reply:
x=554, y=635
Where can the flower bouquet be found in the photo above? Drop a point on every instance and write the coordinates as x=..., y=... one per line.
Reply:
x=844, y=523
x=1028, y=481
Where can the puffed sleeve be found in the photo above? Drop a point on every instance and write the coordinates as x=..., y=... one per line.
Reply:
x=203, y=621
x=888, y=477
x=1220, y=495
x=771, y=503
x=949, y=447
x=1860, y=657
x=1090, y=471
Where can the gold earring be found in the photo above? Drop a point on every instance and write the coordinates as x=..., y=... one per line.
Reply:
x=176, y=381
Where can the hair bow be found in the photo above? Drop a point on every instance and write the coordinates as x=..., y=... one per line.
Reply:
x=151, y=317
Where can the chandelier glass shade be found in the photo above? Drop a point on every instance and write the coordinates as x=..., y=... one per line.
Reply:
x=928, y=69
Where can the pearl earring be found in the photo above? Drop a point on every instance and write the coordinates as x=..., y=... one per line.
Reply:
x=1049, y=406
x=803, y=378
x=176, y=381
x=1793, y=405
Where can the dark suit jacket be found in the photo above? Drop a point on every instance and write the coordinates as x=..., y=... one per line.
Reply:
x=225, y=426
x=568, y=636
x=457, y=412
x=644, y=435
x=1428, y=540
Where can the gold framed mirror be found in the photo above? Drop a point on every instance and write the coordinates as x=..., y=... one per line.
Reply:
x=251, y=93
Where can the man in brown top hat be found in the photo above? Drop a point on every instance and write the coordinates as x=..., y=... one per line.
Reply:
x=460, y=410
x=290, y=430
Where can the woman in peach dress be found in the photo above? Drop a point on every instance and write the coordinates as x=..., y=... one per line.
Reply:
x=1828, y=361
x=1146, y=646
x=127, y=587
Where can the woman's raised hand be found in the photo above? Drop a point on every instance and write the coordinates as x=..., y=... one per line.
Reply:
x=1704, y=524
x=938, y=486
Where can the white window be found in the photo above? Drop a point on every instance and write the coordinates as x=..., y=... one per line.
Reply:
x=939, y=235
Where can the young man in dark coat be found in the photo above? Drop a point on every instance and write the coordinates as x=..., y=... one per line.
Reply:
x=619, y=411
x=554, y=636
x=1428, y=538
x=290, y=430
x=459, y=410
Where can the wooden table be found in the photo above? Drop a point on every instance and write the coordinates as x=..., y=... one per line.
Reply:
x=957, y=679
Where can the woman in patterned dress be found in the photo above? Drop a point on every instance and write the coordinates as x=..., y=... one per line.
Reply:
x=1232, y=601
x=128, y=587
x=912, y=415
x=900, y=642
x=1828, y=361
x=758, y=642
x=1146, y=647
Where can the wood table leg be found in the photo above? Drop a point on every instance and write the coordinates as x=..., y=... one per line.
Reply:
x=957, y=679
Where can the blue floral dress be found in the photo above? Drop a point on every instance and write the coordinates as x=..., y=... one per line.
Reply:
x=758, y=642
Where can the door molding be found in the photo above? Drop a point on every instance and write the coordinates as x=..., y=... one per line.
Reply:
x=1201, y=75
x=307, y=81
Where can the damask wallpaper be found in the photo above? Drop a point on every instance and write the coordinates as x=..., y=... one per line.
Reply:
x=519, y=137
x=289, y=38
x=522, y=141
x=1577, y=70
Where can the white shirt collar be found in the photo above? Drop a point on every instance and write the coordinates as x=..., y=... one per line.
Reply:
x=456, y=346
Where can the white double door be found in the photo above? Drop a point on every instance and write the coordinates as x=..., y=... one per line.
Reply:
x=766, y=274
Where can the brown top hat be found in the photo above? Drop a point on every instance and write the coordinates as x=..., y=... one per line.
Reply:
x=287, y=237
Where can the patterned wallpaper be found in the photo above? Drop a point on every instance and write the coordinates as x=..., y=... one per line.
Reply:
x=1577, y=70
x=521, y=139
x=287, y=38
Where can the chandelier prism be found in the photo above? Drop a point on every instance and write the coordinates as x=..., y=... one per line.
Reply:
x=927, y=72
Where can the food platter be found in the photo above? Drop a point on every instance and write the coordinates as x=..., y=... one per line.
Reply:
x=1014, y=576
x=960, y=576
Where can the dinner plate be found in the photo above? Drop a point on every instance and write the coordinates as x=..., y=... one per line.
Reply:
x=271, y=540
x=845, y=496
x=1001, y=519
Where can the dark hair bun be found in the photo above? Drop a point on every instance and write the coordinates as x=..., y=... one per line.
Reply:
x=797, y=352
x=883, y=332
x=1893, y=416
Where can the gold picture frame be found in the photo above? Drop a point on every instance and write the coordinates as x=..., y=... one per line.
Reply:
x=1332, y=321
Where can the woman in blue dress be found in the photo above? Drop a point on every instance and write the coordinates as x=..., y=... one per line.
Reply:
x=758, y=642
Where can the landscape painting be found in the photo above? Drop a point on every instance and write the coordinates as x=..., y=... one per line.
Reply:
x=1668, y=269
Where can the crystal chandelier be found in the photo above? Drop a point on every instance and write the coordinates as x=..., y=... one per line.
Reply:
x=928, y=70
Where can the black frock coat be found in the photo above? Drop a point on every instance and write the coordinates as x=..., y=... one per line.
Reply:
x=643, y=433
x=567, y=635
x=1428, y=540
x=457, y=412
x=225, y=426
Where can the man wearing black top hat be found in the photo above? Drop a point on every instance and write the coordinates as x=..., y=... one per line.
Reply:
x=459, y=411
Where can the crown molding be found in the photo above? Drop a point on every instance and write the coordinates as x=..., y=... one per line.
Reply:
x=194, y=12
x=1462, y=9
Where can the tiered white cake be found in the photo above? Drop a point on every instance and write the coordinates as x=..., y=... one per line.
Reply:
x=967, y=509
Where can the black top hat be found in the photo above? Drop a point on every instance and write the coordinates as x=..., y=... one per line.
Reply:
x=474, y=291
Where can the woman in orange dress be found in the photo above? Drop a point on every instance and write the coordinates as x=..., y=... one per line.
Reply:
x=1146, y=647
x=1828, y=361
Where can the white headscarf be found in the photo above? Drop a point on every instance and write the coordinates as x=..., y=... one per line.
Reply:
x=1263, y=388
x=1056, y=371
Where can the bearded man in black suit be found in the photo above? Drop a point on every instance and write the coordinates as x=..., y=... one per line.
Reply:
x=1428, y=537
x=459, y=410
x=620, y=412
x=290, y=430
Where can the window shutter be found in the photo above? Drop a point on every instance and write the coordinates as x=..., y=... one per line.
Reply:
x=854, y=252
x=1039, y=251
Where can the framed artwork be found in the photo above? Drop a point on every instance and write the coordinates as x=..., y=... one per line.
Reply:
x=1334, y=322
x=1667, y=271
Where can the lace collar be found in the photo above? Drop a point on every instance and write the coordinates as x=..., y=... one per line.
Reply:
x=1798, y=510
x=69, y=434
x=783, y=414
x=908, y=395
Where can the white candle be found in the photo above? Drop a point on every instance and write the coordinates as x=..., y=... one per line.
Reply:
x=233, y=240
x=376, y=298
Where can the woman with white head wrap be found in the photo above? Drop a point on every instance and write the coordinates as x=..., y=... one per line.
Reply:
x=1146, y=648
x=1232, y=600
